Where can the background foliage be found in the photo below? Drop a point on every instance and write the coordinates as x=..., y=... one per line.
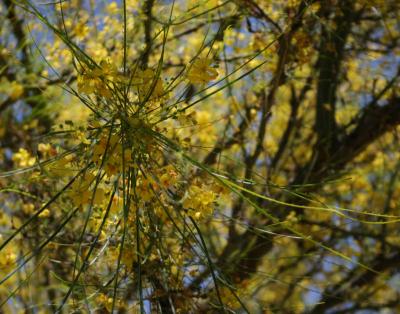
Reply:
x=182, y=156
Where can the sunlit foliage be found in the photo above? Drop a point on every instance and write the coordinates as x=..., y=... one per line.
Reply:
x=199, y=156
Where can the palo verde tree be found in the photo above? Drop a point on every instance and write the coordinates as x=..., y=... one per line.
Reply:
x=207, y=156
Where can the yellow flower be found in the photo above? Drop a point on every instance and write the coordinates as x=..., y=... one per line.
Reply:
x=112, y=8
x=44, y=148
x=145, y=189
x=44, y=214
x=81, y=30
x=86, y=84
x=105, y=301
x=23, y=158
x=16, y=90
x=201, y=72
x=169, y=177
x=28, y=208
x=7, y=259
x=61, y=167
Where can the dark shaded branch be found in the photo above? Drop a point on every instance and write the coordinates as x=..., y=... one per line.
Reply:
x=295, y=102
x=147, y=24
x=329, y=64
x=255, y=10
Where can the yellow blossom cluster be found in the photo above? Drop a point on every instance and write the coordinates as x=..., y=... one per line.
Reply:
x=98, y=80
x=201, y=200
x=23, y=158
x=110, y=150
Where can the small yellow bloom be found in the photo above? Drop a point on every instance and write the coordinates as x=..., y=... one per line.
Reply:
x=28, y=208
x=44, y=148
x=44, y=214
x=169, y=176
x=16, y=90
x=7, y=258
x=112, y=8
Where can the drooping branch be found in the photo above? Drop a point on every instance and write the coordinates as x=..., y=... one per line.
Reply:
x=355, y=280
x=375, y=120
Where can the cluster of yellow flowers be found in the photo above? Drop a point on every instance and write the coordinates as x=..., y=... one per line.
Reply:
x=98, y=80
x=114, y=151
x=101, y=79
x=107, y=151
x=201, y=200
x=23, y=158
x=122, y=167
x=7, y=258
